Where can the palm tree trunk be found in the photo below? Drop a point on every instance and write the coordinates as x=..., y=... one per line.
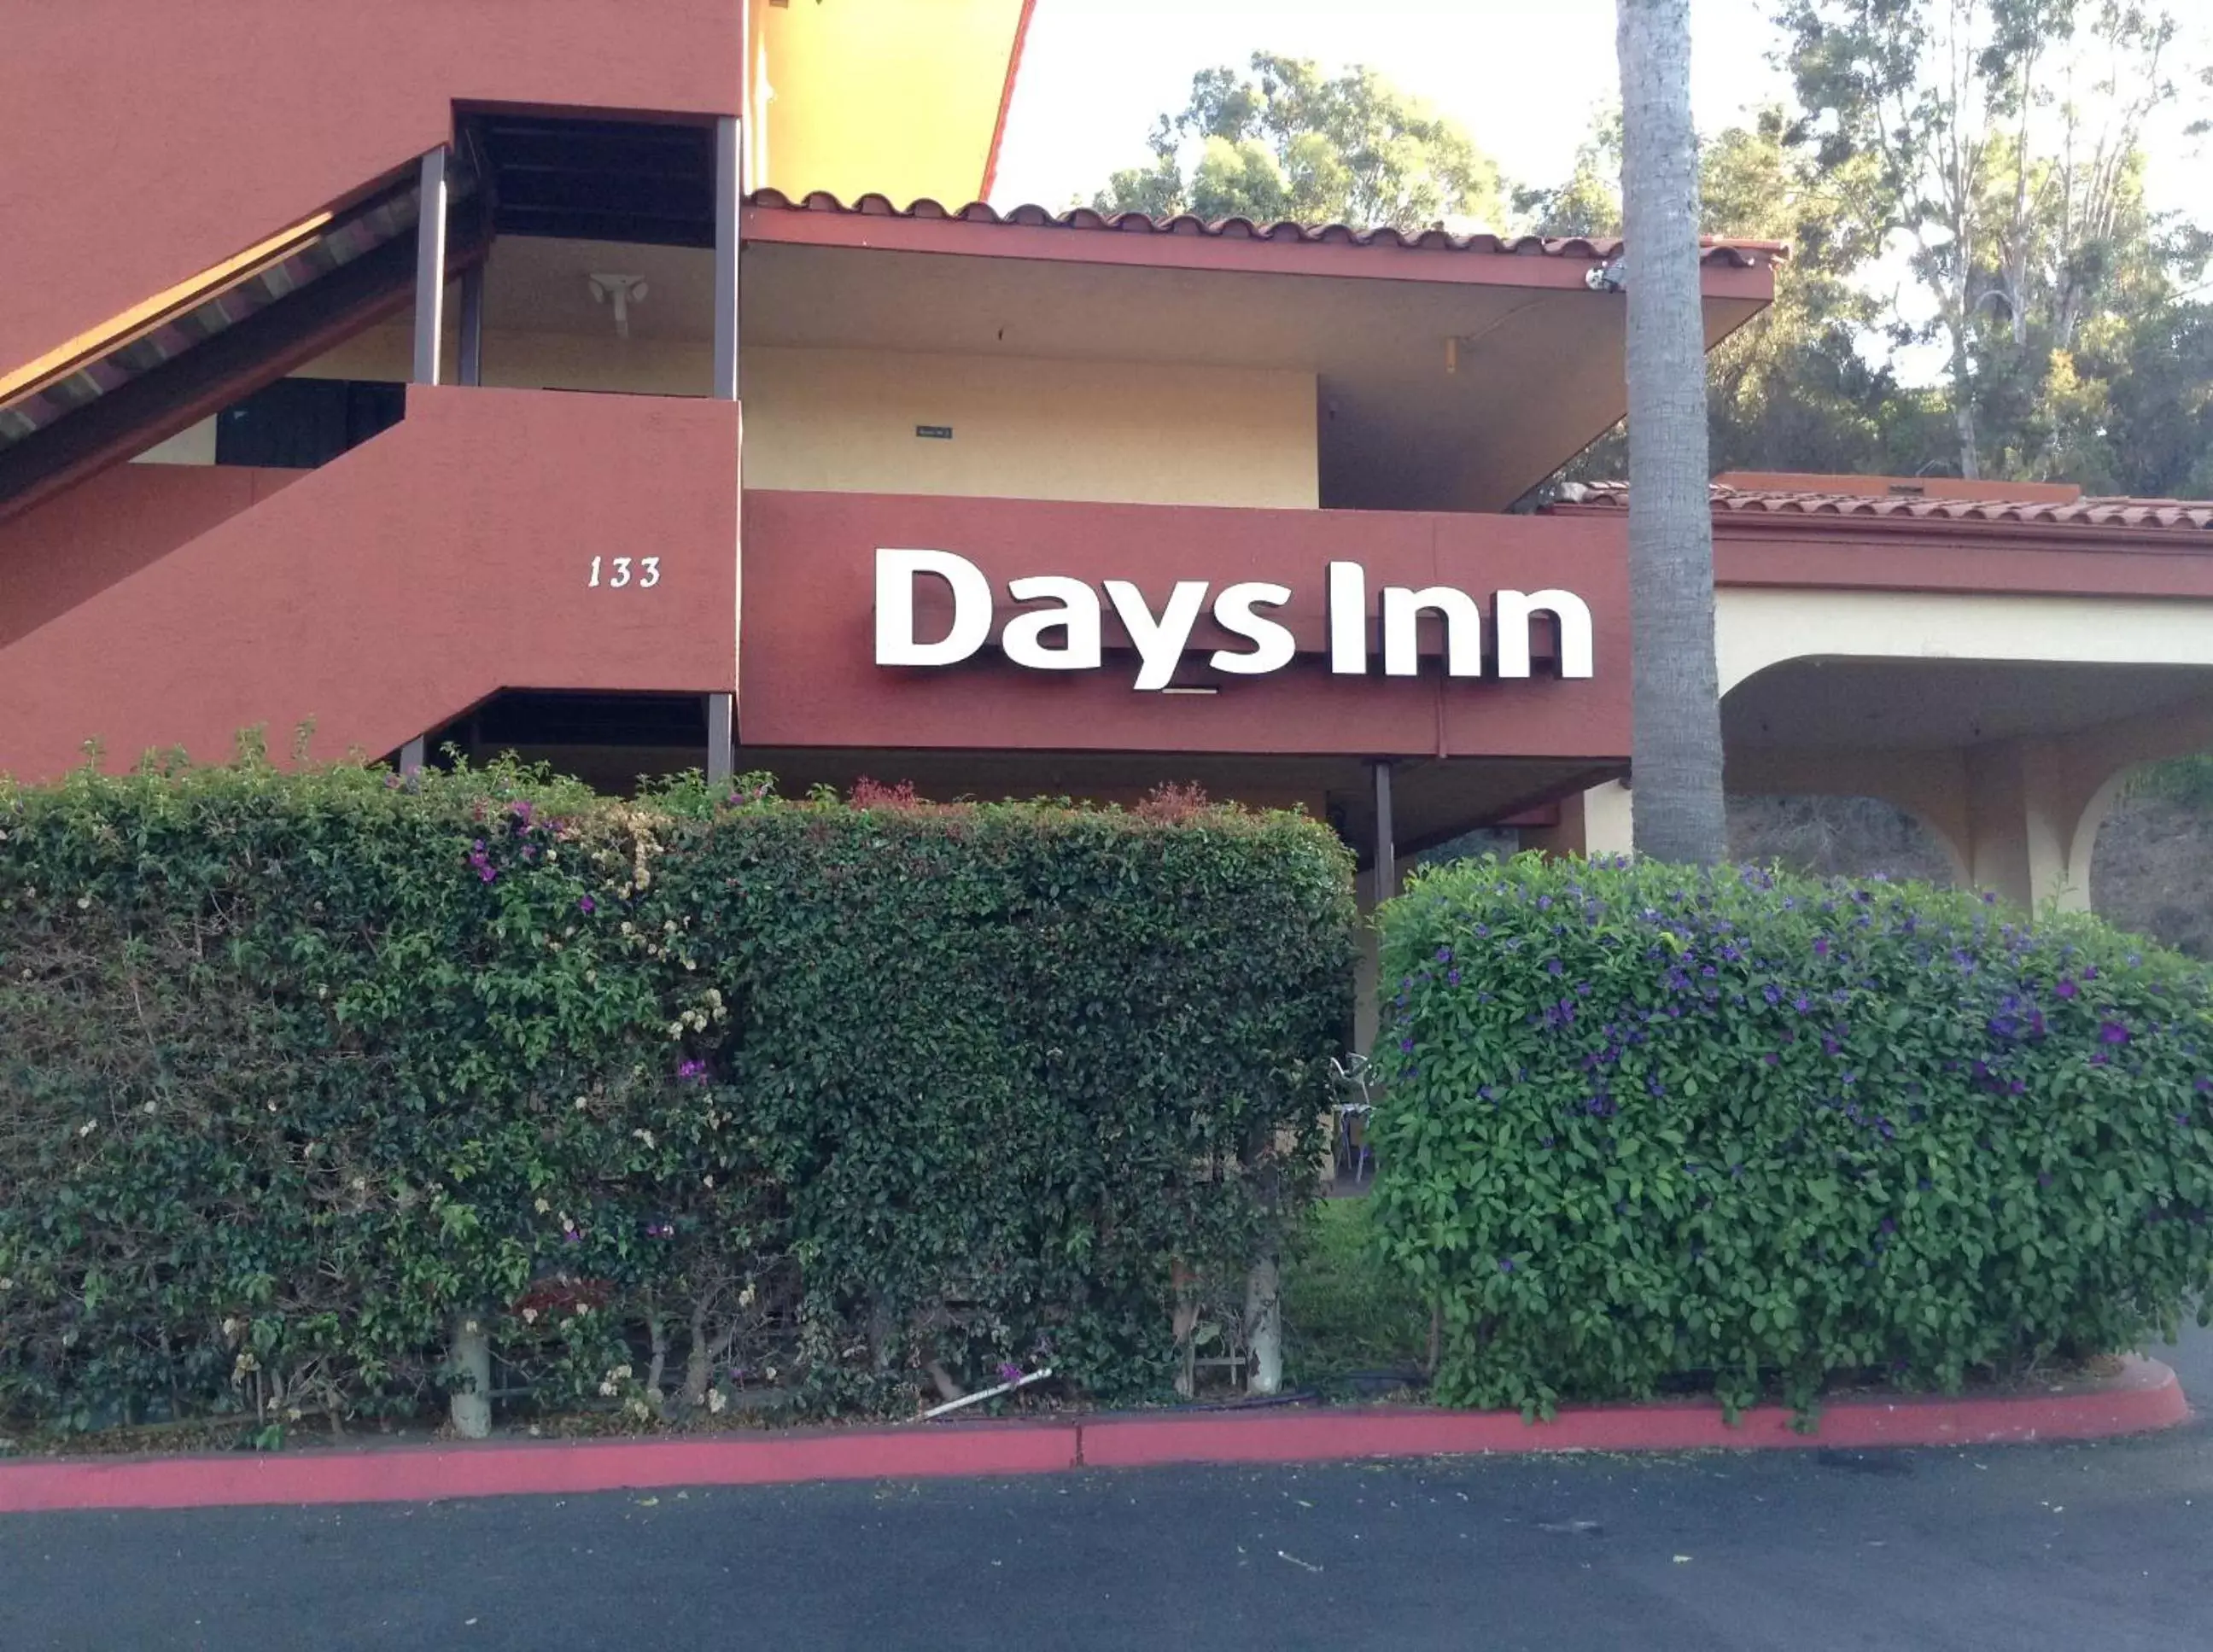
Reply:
x=1676, y=750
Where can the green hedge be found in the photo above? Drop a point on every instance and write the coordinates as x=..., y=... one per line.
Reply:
x=701, y=1099
x=1648, y=1128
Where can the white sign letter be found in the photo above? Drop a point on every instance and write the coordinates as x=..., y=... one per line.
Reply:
x=1077, y=619
x=972, y=608
x=1160, y=641
x=1516, y=611
x=1272, y=644
x=1402, y=610
x=1348, y=619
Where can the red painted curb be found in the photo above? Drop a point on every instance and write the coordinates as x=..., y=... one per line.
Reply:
x=425, y=1473
x=2144, y=1396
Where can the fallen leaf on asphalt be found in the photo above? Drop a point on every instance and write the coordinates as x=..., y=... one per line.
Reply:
x=649, y=1503
x=1682, y=1560
x=1304, y=1565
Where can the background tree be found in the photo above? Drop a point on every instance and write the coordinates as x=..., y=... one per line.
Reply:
x=2001, y=142
x=1795, y=389
x=1675, y=697
x=1285, y=141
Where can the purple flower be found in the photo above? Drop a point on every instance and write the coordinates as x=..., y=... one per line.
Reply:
x=1820, y=946
x=587, y=905
x=1444, y=955
x=1406, y=1046
x=1506, y=1264
x=1011, y=1373
x=2113, y=1032
x=692, y=1069
x=2065, y=989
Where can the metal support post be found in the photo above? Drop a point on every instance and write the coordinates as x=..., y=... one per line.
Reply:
x=728, y=197
x=1387, y=851
x=721, y=754
x=472, y=363
x=430, y=267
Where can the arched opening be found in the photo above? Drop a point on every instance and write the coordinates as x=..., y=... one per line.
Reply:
x=2152, y=871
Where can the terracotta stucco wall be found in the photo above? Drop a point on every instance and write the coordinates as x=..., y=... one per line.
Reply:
x=442, y=560
x=809, y=676
x=79, y=543
x=147, y=140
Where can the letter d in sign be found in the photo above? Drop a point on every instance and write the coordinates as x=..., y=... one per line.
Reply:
x=896, y=572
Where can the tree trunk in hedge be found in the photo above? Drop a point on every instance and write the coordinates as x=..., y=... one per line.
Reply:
x=1263, y=1327
x=471, y=1411
x=1676, y=746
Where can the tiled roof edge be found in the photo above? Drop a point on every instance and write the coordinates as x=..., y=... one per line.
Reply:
x=2090, y=512
x=1740, y=254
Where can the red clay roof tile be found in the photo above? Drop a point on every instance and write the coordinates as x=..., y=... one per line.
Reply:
x=2092, y=512
x=1740, y=254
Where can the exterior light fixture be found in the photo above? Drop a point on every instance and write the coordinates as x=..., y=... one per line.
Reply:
x=621, y=291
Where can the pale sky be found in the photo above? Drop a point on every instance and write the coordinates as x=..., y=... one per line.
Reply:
x=1523, y=76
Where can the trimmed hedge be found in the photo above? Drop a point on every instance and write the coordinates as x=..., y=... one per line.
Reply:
x=698, y=1099
x=1648, y=1128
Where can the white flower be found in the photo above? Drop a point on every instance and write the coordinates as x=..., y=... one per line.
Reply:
x=530, y=1316
x=745, y=1296
x=607, y=1390
x=88, y=1127
x=715, y=1400
x=543, y=1207
x=581, y=1103
x=149, y=1109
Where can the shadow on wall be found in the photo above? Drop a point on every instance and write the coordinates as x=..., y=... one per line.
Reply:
x=1836, y=836
x=2152, y=872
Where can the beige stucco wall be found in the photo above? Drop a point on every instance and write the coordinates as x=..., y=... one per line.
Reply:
x=534, y=361
x=1024, y=428
x=844, y=420
x=194, y=445
x=1756, y=628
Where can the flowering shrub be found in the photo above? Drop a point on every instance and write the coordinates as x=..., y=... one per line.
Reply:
x=1647, y=1126
x=687, y=1098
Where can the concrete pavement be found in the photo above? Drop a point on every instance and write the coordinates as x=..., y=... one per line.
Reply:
x=2105, y=1545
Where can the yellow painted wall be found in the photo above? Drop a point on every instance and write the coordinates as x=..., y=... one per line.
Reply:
x=895, y=96
x=1023, y=427
x=537, y=360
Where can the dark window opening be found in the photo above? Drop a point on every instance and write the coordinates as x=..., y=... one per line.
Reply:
x=299, y=424
x=539, y=718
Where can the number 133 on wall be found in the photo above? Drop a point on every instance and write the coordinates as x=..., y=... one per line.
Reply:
x=619, y=572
